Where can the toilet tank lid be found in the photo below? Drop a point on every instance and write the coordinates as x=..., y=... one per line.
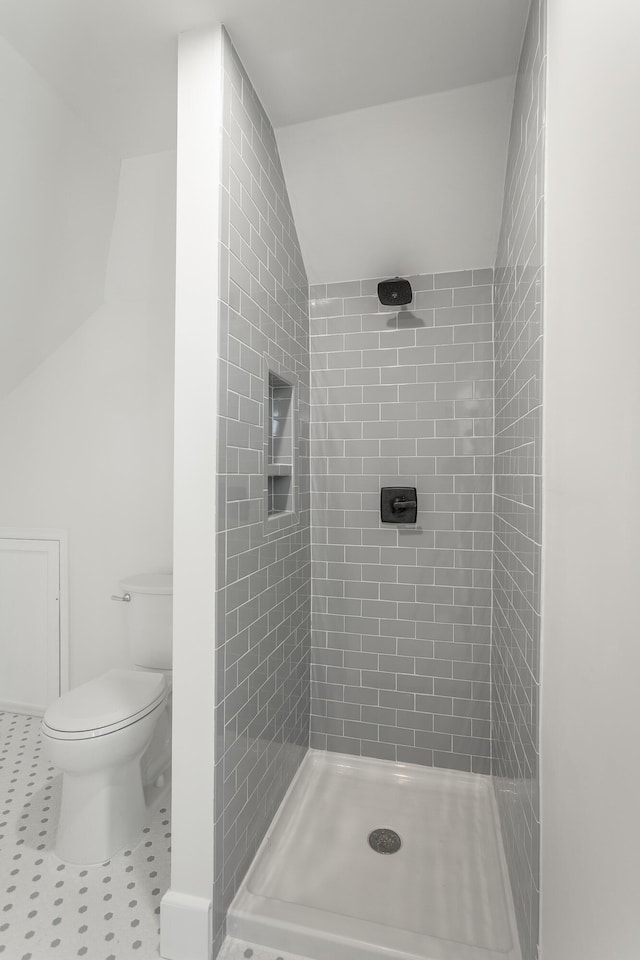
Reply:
x=116, y=696
x=148, y=583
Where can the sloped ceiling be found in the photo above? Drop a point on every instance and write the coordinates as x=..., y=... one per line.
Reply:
x=58, y=193
x=409, y=187
x=381, y=180
x=114, y=62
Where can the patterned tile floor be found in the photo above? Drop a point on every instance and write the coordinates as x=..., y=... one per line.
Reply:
x=240, y=950
x=52, y=911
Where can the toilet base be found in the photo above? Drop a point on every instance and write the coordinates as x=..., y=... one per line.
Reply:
x=104, y=806
x=100, y=814
x=157, y=793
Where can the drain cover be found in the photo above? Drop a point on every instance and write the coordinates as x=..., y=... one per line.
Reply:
x=384, y=840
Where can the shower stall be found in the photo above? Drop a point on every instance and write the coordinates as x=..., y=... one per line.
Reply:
x=369, y=642
x=369, y=711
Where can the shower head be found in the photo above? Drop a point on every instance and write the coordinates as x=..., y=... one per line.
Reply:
x=394, y=293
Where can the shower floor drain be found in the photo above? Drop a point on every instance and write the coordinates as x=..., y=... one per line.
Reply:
x=384, y=840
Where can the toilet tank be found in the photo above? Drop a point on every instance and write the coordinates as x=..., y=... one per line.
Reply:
x=149, y=619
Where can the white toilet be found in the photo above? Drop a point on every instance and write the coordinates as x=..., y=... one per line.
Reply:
x=111, y=737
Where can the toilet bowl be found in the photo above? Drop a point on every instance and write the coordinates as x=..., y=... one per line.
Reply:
x=111, y=737
x=97, y=735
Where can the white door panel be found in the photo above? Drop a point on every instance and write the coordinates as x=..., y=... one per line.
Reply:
x=29, y=624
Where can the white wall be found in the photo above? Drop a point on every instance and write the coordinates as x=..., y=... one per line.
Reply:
x=86, y=438
x=591, y=643
x=404, y=188
x=57, y=196
x=186, y=910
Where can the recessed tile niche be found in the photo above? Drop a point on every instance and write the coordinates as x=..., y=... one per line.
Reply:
x=279, y=422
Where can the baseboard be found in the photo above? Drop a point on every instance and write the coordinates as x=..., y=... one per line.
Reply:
x=185, y=927
x=16, y=706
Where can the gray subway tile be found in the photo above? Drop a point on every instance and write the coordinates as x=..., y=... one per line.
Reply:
x=268, y=313
x=473, y=295
x=412, y=402
x=434, y=741
x=433, y=298
x=452, y=761
x=459, y=278
x=397, y=700
x=378, y=750
x=350, y=288
x=397, y=735
x=415, y=720
x=462, y=726
x=515, y=735
x=415, y=755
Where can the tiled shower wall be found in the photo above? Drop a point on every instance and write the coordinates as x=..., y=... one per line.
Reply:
x=401, y=614
x=518, y=371
x=264, y=565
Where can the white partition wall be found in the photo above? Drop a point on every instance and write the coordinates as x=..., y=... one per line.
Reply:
x=186, y=908
x=591, y=650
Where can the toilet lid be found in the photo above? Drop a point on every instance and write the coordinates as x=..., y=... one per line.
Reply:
x=148, y=583
x=116, y=696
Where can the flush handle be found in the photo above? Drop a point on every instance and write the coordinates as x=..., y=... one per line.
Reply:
x=126, y=598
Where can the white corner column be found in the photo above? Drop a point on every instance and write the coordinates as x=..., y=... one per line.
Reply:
x=186, y=910
x=590, y=734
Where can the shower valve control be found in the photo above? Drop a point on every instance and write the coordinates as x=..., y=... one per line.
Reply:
x=401, y=504
x=398, y=504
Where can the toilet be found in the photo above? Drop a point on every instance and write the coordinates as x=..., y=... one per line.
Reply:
x=111, y=737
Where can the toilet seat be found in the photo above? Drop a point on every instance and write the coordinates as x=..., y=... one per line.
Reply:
x=111, y=702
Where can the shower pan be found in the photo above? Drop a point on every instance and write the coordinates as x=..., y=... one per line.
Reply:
x=321, y=886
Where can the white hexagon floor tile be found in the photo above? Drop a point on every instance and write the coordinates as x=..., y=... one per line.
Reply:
x=50, y=910
x=241, y=950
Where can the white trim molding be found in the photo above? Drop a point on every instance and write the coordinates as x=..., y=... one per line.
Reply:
x=186, y=929
x=186, y=909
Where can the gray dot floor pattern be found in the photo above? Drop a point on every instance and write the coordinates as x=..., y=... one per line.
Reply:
x=51, y=910
x=242, y=950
